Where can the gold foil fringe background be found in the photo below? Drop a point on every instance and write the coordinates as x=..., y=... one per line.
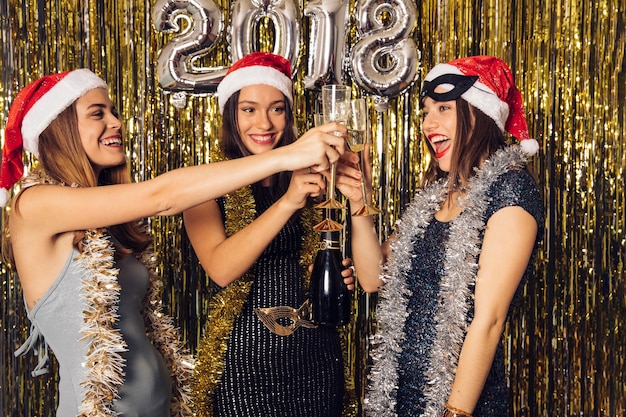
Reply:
x=566, y=347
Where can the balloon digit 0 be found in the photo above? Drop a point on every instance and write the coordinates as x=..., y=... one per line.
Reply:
x=245, y=17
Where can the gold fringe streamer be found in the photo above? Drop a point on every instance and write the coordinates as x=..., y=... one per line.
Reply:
x=566, y=346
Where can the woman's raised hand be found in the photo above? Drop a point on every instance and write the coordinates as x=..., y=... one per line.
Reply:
x=317, y=148
x=348, y=180
x=304, y=184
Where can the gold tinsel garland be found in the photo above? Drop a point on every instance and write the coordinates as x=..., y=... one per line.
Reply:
x=167, y=340
x=104, y=360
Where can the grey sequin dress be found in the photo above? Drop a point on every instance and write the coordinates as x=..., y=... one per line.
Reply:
x=513, y=188
x=267, y=375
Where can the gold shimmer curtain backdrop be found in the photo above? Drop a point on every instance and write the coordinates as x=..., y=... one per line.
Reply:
x=565, y=347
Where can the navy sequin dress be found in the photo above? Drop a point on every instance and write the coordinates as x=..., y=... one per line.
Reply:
x=267, y=375
x=513, y=188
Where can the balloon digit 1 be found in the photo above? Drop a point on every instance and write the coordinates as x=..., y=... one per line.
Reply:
x=327, y=44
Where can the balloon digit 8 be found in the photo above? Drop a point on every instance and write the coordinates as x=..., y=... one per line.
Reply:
x=384, y=59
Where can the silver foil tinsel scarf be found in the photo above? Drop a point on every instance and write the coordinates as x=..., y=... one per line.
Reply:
x=566, y=347
x=461, y=266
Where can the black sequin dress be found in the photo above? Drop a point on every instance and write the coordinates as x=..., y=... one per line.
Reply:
x=267, y=375
x=513, y=188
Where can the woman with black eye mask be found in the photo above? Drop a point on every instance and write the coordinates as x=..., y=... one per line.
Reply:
x=461, y=252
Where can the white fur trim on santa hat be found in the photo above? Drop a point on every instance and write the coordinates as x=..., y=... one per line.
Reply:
x=478, y=95
x=70, y=88
x=4, y=197
x=253, y=75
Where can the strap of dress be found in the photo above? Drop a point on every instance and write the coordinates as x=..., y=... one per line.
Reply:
x=38, y=345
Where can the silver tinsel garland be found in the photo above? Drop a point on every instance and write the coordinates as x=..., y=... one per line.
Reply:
x=461, y=254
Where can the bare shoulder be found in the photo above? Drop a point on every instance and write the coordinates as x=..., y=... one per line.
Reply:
x=39, y=255
x=29, y=208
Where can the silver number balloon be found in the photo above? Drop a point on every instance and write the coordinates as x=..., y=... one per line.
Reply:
x=245, y=18
x=327, y=42
x=384, y=59
x=176, y=61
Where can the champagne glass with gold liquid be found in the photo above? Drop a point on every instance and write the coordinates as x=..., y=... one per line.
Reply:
x=335, y=108
x=357, y=139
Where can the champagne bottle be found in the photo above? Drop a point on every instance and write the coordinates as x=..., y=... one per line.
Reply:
x=330, y=298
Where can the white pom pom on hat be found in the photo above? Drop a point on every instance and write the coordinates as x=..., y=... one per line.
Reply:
x=32, y=111
x=494, y=93
x=256, y=68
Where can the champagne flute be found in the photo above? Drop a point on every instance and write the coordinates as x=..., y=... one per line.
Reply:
x=326, y=225
x=318, y=119
x=357, y=139
x=336, y=108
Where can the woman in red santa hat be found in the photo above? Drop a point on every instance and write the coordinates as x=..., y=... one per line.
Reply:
x=83, y=257
x=260, y=356
x=460, y=254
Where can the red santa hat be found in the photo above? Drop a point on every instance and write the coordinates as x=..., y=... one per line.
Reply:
x=256, y=68
x=486, y=82
x=32, y=111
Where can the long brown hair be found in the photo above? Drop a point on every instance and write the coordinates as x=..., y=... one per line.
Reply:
x=63, y=160
x=477, y=138
x=233, y=146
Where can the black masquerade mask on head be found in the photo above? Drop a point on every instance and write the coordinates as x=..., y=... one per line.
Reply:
x=485, y=82
x=460, y=84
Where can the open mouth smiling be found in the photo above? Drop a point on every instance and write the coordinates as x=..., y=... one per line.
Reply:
x=262, y=139
x=111, y=142
x=441, y=145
